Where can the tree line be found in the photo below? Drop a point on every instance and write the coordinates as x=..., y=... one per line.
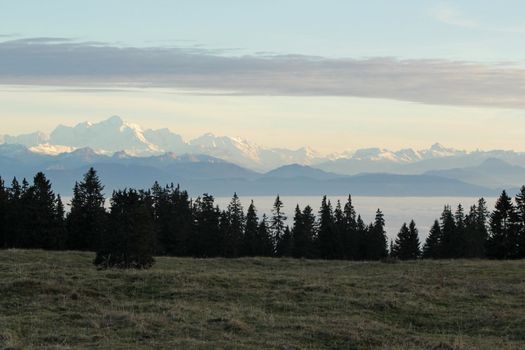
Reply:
x=164, y=220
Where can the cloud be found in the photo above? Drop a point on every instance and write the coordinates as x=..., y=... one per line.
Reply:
x=66, y=63
x=451, y=15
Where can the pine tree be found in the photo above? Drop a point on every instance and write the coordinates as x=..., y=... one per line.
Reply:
x=86, y=221
x=361, y=239
x=432, y=247
x=4, y=214
x=340, y=231
x=278, y=222
x=448, y=231
x=60, y=218
x=326, y=235
x=174, y=221
x=376, y=241
x=16, y=213
x=476, y=230
x=264, y=239
x=41, y=227
x=129, y=242
x=459, y=234
x=303, y=233
x=350, y=238
x=284, y=246
x=298, y=235
x=407, y=246
x=503, y=239
x=250, y=243
x=207, y=239
x=234, y=233
x=520, y=221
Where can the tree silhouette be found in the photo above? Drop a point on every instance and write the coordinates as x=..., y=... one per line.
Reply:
x=86, y=221
x=129, y=242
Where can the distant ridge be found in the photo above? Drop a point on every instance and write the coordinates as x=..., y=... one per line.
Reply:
x=118, y=143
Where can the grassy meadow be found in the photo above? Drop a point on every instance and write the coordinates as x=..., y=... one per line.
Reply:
x=58, y=300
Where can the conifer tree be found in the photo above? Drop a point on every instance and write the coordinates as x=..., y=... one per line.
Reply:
x=350, y=239
x=327, y=237
x=284, y=245
x=278, y=222
x=298, y=235
x=235, y=230
x=340, y=231
x=250, y=242
x=476, y=230
x=174, y=220
x=520, y=221
x=361, y=239
x=376, y=241
x=432, y=247
x=16, y=213
x=303, y=232
x=129, y=242
x=86, y=221
x=407, y=246
x=503, y=240
x=207, y=240
x=4, y=214
x=40, y=229
x=448, y=249
x=264, y=239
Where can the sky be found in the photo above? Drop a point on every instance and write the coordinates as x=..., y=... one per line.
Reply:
x=332, y=75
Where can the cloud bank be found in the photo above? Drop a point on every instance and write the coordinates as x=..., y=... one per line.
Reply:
x=63, y=62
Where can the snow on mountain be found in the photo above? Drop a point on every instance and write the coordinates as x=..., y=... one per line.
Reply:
x=108, y=136
x=166, y=140
x=438, y=151
x=121, y=139
x=46, y=148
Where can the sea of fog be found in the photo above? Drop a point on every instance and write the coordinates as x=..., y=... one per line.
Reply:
x=397, y=210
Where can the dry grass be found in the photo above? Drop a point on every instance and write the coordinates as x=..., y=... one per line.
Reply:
x=54, y=300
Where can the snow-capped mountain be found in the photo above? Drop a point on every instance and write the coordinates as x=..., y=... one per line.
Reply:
x=117, y=137
x=109, y=136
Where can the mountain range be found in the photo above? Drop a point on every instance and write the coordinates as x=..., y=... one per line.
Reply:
x=127, y=155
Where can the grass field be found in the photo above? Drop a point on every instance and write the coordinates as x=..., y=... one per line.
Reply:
x=58, y=300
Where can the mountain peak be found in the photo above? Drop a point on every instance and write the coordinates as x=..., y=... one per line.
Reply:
x=114, y=120
x=437, y=147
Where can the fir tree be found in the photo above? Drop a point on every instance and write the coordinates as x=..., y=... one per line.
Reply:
x=448, y=231
x=432, y=247
x=207, y=240
x=284, y=245
x=264, y=246
x=350, y=239
x=503, y=240
x=250, y=243
x=130, y=240
x=361, y=239
x=41, y=227
x=520, y=221
x=326, y=235
x=277, y=224
x=234, y=233
x=376, y=242
x=4, y=214
x=86, y=221
x=303, y=232
x=15, y=215
x=406, y=246
x=476, y=230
